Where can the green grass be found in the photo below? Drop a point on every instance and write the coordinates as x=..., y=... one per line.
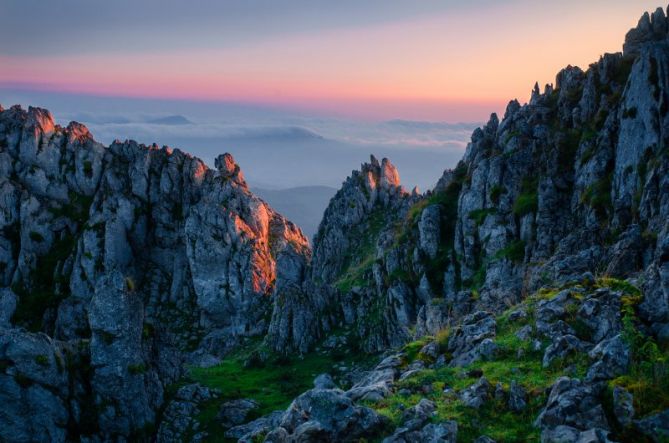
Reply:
x=273, y=384
x=493, y=419
x=648, y=377
x=516, y=361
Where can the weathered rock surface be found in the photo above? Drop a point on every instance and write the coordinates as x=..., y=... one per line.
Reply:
x=128, y=261
x=575, y=404
x=326, y=415
x=140, y=255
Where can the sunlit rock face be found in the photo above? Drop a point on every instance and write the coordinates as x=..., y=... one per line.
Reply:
x=571, y=183
x=142, y=255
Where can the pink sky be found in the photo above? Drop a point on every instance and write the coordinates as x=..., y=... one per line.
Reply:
x=456, y=65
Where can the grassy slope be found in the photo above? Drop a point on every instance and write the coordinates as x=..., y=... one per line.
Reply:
x=275, y=383
x=648, y=379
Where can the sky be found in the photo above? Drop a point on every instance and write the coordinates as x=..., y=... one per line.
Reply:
x=434, y=60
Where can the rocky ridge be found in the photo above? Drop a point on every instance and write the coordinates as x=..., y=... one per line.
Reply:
x=526, y=297
x=118, y=264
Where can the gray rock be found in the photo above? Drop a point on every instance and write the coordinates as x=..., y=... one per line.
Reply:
x=7, y=307
x=612, y=358
x=429, y=228
x=472, y=340
x=180, y=415
x=252, y=431
x=324, y=381
x=328, y=415
x=374, y=386
x=655, y=427
x=573, y=403
x=432, y=433
x=524, y=333
x=477, y=394
x=562, y=347
x=567, y=434
x=517, y=397
x=623, y=406
x=236, y=412
x=430, y=350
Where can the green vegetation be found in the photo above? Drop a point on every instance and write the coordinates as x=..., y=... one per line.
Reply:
x=648, y=377
x=42, y=360
x=515, y=360
x=495, y=193
x=130, y=284
x=273, y=383
x=514, y=251
x=527, y=202
x=47, y=286
x=598, y=195
x=359, y=260
x=479, y=215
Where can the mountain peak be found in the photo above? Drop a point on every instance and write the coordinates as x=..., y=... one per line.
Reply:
x=651, y=28
x=381, y=175
x=228, y=168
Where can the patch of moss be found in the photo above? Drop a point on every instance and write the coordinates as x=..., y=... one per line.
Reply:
x=479, y=215
x=47, y=286
x=495, y=193
x=598, y=195
x=514, y=251
x=527, y=202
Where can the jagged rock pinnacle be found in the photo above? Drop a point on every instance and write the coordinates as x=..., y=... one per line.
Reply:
x=227, y=167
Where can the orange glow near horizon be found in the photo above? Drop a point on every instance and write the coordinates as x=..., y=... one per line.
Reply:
x=448, y=67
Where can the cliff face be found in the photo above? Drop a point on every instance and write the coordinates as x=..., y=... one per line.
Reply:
x=130, y=258
x=121, y=264
x=573, y=182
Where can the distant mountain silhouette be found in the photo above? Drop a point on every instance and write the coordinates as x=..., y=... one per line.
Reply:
x=170, y=120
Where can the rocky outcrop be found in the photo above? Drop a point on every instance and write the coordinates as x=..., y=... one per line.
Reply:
x=342, y=285
x=140, y=256
x=325, y=415
x=118, y=264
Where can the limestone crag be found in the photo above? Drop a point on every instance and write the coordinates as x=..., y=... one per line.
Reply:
x=137, y=256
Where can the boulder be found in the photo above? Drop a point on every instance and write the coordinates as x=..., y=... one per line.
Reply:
x=655, y=427
x=612, y=358
x=623, y=406
x=573, y=403
x=236, y=412
x=324, y=381
x=517, y=397
x=477, y=394
x=472, y=340
x=327, y=415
